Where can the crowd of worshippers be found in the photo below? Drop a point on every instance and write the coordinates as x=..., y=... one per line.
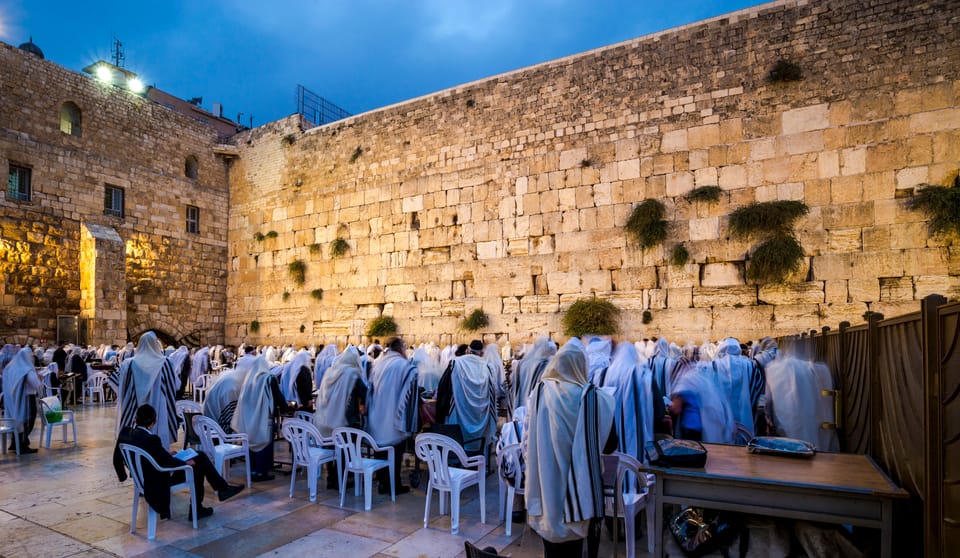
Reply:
x=592, y=392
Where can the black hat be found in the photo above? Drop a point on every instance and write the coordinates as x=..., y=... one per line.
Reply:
x=476, y=346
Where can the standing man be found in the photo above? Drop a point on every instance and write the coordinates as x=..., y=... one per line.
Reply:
x=149, y=377
x=20, y=385
x=393, y=406
x=466, y=396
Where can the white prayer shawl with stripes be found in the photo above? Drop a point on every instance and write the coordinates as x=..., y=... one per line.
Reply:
x=598, y=357
x=392, y=402
x=662, y=365
x=736, y=376
x=569, y=421
x=200, y=365
x=528, y=371
x=324, y=361
x=254, y=413
x=335, y=391
x=14, y=386
x=474, y=400
x=220, y=403
x=289, y=374
x=633, y=398
x=149, y=377
x=428, y=369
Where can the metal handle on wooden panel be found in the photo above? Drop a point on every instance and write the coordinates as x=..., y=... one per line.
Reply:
x=837, y=416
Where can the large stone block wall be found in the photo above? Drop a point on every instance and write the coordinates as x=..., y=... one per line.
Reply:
x=510, y=194
x=175, y=281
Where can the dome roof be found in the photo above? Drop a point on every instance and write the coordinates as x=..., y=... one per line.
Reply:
x=32, y=48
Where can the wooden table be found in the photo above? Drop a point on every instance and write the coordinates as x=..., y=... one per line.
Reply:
x=831, y=487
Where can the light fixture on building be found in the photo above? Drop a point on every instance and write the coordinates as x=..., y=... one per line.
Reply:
x=104, y=73
x=135, y=85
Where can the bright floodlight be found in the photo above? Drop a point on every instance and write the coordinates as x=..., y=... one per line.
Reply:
x=104, y=73
x=135, y=85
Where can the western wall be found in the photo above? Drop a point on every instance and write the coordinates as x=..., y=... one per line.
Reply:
x=510, y=194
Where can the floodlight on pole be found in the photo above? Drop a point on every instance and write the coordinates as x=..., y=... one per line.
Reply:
x=104, y=73
x=135, y=85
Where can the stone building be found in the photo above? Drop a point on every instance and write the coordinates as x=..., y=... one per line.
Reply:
x=510, y=194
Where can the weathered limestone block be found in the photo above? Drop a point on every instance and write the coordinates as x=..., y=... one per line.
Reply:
x=705, y=229
x=831, y=314
x=679, y=183
x=680, y=297
x=452, y=308
x=634, y=278
x=540, y=304
x=796, y=317
x=892, y=309
x=896, y=289
x=674, y=141
x=832, y=266
x=623, y=301
x=594, y=281
x=888, y=263
x=804, y=119
x=400, y=293
x=572, y=157
x=682, y=323
x=792, y=293
x=489, y=250
x=672, y=276
x=438, y=291
x=655, y=298
x=729, y=321
x=430, y=308
x=564, y=282
x=844, y=240
x=511, y=305
x=946, y=285
x=927, y=261
x=706, y=297
x=724, y=274
x=835, y=291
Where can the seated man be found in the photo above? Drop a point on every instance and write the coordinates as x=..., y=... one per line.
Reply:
x=157, y=484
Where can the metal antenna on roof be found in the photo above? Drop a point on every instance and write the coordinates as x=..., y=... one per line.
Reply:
x=117, y=51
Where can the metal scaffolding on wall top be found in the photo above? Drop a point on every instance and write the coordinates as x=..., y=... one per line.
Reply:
x=316, y=109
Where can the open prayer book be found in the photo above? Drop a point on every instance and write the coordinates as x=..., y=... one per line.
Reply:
x=186, y=454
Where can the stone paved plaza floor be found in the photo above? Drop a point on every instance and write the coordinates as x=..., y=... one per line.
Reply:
x=67, y=501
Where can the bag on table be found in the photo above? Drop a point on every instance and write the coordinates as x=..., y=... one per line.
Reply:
x=673, y=452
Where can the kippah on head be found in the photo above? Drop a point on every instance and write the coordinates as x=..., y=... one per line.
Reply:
x=395, y=344
x=146, y=415
x=476, y=346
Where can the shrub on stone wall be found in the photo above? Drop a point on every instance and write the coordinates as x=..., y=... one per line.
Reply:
x=477, y=320
x=382, y=327
x=704, y=194
x=286, y=296
x=646, y=223
x=272, y=234
x=258, y=236
x=339, y=247
x=941, y=204
x=314, y=249
x=254, y=326
x=317, y=294
x=784, y=71
x=298, y=272
x=647, y=317
x=591, y=316
x=680, y=255
x=767, y=218
x=774, y=259
x=779, y=253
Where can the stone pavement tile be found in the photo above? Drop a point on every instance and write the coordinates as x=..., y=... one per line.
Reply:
x=267, y=535
x=435, y=542
x=90, y=553
x=91, y=529
x=166, y=552
x=378, y=525
x=329, y=542
x=23, y=539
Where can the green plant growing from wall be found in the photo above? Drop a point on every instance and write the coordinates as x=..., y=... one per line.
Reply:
x=272, y=234
x=356, y=154
x=254, y=326
x=779, y=253
x=258, y=236
x=382, y=327
x=647, y=317
x=286, y=296
x=679, y=256
x=591, y=316
x=941, y=204
x=704, y=194
x=646, y=223
x=314, y=249
x=298, y=272
x=476, y=320
x=339, y=247
x=288, y=140
x=316, y=294
x=303, y=328
x=784, y=71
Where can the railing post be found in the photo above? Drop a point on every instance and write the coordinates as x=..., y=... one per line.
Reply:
x=932, y=426
x=876, y=400
x=840, y=380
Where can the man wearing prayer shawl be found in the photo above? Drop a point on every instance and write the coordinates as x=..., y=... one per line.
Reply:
x=632, y=387
x=200, y=365
x=702, y=412
x=494, y=357
x=220, y=404
x=570, y=420
x=741, y=383
x=467, y=397
x=392, y=404
x=341, y=400
x=149, y=377
x=530, y=368
x=260, y=403
x=662, y=365
x=20, y=385
x=180, y=360
x=296, y=382
x=599, y=350
x=324, y=361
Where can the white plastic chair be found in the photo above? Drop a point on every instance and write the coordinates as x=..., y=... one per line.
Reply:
x=201, y=388
x=436, y=450
x=94, y=386
x=308, y=451
x=303, y=415
x=8, y=426
x=633, y=502
x=190, y=407
x=510, y=453
x=222, y=446
x=134, y=458
x=47, y=427
x=350, y=441
x=47, y=389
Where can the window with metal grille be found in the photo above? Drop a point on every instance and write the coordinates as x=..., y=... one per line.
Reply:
x=113, y=201
x=193, y=219
x=18, y=184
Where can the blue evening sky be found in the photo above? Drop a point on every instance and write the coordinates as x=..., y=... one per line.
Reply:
x=360, y=54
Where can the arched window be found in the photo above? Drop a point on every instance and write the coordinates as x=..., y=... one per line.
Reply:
x=70, y=119
x=191, y=166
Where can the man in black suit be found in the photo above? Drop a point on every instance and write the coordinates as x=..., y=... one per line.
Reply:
x=156, y=484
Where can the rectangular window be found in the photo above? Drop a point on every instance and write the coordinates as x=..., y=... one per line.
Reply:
x=193, y=219
x=18, y=185
x=113, y=201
